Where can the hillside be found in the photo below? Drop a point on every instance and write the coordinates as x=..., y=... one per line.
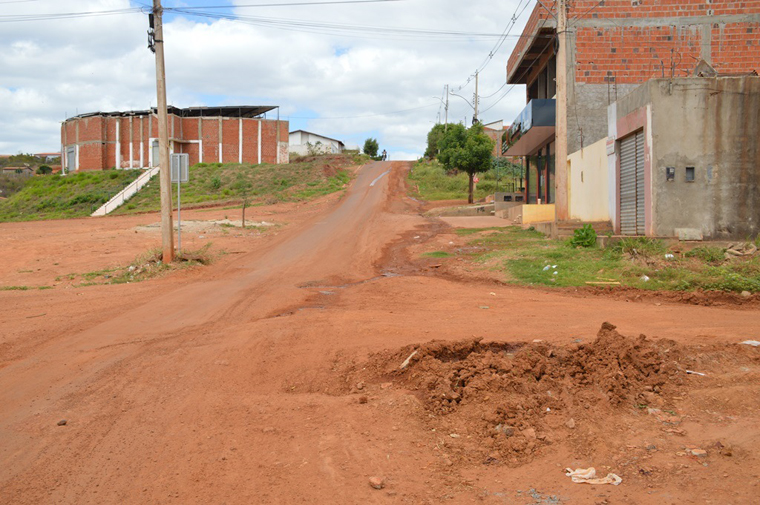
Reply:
x=78, y=195
x=59, y=197
x=217, y=183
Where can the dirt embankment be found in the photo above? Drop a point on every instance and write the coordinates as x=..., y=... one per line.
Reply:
x=500, y=403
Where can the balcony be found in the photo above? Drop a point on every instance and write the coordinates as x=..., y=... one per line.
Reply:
x=532, y=129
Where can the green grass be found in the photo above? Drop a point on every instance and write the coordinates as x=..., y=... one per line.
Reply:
x=527, y=257
x=222, y=184
x=437, y=254
x=57, y=197
x=429, y=181
x=14, y=288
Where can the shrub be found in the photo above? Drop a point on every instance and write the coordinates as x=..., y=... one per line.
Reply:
x=216, y=183
x=584, y=237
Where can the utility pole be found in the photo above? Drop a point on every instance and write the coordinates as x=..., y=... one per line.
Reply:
x=167, y=228
x=475, y=117
x=562, y=210
x=446, y=124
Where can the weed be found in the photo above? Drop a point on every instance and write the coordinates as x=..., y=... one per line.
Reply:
x=640, y=246
x=437, y=254
x=14, y=288
x=584, y=237
x=707, y=254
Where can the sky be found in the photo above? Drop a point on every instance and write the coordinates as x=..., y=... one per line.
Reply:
x=345, y=70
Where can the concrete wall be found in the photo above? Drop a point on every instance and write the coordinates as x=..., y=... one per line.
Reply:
x=300, y=140
x=710, y=124
x=589, y=190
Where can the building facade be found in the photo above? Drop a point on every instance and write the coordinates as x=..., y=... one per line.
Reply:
x=612, y=48
x=303, y=143
x=103, y=140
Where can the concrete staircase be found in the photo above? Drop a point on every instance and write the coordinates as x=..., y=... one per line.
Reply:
x=125, y=194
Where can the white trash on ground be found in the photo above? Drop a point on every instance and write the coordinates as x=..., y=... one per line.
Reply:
x=588, y=476
x=753, y=343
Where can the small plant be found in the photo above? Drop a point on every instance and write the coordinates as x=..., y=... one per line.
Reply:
x=640, y=246
x=707, y=254
x=44, y=170
x=216, y=183
x=584, y=237
x=437, y=254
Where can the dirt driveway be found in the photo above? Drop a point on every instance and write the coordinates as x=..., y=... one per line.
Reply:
x=273, y=376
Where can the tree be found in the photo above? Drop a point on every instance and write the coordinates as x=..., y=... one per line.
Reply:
x=468, y=150
x=371, y=147
x=44, y=170
x=433, y=140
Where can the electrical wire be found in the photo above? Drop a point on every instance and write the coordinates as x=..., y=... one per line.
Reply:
x=368, y=115
x=9, y=18
x=288, y=4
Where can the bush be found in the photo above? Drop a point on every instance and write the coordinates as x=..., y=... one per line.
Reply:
x=216, y=183
x=707, y=254
x=584, y=237
x=44, y=170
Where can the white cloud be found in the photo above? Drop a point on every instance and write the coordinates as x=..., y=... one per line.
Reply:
x=56, y=68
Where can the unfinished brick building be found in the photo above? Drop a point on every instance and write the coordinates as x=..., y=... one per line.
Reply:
x=613, y=47
x=244, y=134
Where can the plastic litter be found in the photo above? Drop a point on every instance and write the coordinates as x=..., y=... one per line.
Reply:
x=588, y=476
x=554, y=267
x=753, y=343
x=692, y=372
x=556, y=273
x=547, y=267
x=644, y=278
x=669, y=256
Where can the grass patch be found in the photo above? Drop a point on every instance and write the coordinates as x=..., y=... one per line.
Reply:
x=265, y=184
x=463, y=232
x=146, y=266
x=14, y=288
x=430, y=181
x=437, y=254
x=69, y=196
x=527, y=257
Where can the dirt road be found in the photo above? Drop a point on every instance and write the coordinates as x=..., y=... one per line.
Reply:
x=249, y=381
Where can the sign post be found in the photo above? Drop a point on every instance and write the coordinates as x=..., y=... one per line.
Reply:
x=180, y=174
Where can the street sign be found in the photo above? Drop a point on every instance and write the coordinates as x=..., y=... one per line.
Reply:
x=180, y=168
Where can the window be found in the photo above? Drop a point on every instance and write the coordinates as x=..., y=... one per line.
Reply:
x=670, y=174
x=689, y=174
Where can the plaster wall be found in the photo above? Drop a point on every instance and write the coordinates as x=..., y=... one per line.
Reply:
x=589, y=190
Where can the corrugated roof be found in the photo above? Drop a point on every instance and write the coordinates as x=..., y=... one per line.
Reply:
x=241, y=111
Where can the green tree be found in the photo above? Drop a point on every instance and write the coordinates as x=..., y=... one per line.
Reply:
x=44, y=170
x=433, y=140
x=371, y=147
x=468, y=150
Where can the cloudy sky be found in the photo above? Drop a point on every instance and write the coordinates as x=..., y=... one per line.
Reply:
x=345, y=70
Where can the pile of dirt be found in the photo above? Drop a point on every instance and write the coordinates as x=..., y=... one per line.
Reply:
x=510, y=400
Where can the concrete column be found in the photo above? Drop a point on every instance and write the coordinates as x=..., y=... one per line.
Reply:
x=240, y=140
x=142, y=142
x=259, y=143
x=117, y=156
x=131, y=141
x=200, y=140
x=220, y=139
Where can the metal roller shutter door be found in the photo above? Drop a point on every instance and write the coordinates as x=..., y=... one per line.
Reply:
x=640, y=198
x=628, y=185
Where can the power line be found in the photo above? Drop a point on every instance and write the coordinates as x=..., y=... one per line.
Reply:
x=359, y=31
x=9, y=18
x=504, y=35
x=368, y=115
x=288, y=4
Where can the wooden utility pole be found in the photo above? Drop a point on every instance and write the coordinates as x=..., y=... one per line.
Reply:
x=560, y=155
x=167, y=228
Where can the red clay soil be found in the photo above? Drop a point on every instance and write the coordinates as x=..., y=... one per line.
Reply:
x=273, y=376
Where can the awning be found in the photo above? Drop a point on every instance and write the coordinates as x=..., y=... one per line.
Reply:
x=530, y=142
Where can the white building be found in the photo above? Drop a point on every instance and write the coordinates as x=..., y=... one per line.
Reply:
x=304, y=143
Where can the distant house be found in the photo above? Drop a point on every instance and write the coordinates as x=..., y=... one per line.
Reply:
x=18, y=171
x=48, y=156
x=303, y=143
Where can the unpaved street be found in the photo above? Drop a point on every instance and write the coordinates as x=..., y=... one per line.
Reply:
x=270, y=377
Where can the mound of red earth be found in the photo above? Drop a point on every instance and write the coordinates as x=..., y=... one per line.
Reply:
x=510, y=400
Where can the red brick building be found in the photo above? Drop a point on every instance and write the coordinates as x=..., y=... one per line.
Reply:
x=613, y=47
x=102, y=140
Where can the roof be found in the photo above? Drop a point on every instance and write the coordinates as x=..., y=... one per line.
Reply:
x=317, y=134
x=240, y=111
x=537, y=38
x=17, y=168
x=40, y=155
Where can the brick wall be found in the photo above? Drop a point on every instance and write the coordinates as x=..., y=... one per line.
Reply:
x=631, y=41
x=97, y=139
